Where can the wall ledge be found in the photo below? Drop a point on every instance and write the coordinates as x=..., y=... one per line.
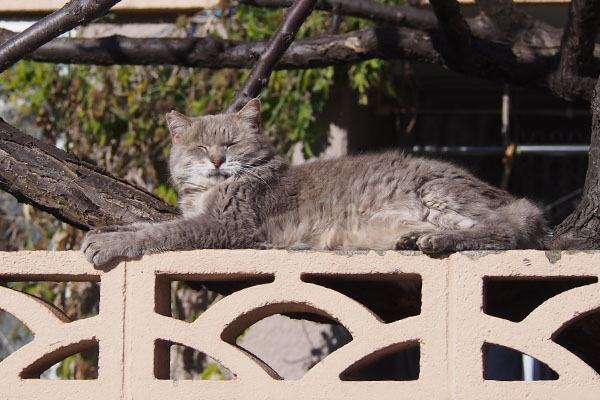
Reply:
x=455, y=323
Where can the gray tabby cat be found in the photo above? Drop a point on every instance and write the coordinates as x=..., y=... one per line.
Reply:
x=236, y=192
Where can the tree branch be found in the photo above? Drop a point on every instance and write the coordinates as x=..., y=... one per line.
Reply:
x=397, y=15
x=577, y=49
x=272, y=53
x=530, y=65
x=424, y=19
x=455, y=28
x=461, y=50
x=505, y=16
x=74, y=13
x=577, y=45
x=73, y=191
x=215, y=52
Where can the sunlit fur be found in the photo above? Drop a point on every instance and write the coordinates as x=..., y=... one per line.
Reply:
x=236, y=192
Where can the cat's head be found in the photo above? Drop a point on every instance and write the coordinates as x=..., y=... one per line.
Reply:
x=208, y=150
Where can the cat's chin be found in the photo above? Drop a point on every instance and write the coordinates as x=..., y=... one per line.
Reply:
x=217, y=177
x=218, y=174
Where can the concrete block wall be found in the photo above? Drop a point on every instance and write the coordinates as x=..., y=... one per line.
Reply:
x=134, y=327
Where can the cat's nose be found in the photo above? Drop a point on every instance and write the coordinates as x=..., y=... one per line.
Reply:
x=217, y=162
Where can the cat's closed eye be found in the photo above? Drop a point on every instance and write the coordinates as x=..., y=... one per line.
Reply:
x=202, y=147
x=227, y=146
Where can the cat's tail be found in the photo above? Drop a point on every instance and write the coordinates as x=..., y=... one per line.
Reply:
x=529, y=227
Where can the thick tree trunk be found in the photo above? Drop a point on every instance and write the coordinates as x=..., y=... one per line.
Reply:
x=581, y=229
x=576, y=56
x=73, y=191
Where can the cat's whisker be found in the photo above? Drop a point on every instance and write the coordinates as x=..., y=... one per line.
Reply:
x=247, y=164
x=247, y=171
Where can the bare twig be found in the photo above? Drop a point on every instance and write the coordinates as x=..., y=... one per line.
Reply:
x=276, y=46
x=74, y=13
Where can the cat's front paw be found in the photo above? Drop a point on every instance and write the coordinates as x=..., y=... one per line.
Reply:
x=101, y=247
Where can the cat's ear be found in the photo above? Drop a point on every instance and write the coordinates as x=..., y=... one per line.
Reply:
x=251, y=113
x=178, y=123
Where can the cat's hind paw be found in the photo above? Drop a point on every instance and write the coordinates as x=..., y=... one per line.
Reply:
x=408, y=241
x=436, y=243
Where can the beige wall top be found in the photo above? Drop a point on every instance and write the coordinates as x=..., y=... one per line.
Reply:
x=51, y=5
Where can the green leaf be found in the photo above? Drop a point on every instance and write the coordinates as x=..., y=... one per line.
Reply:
x=210, y=370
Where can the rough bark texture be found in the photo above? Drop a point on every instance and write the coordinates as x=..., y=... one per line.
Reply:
x=73, y=14
x=504, y=16
x=73, y=191
x=272, y=53
x=576, y=54
x=215, y=52
x=581, y=229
